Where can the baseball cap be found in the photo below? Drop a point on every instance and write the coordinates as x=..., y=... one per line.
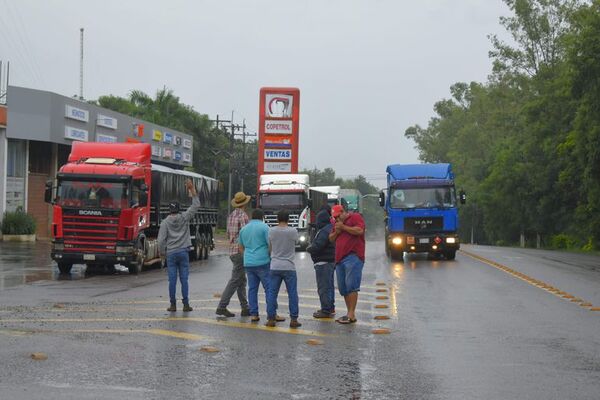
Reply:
x=174, y=207
x=336, y=211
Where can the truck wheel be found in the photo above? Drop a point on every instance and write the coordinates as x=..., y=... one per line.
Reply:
x=197, y=251
x=65, y=268
x=138, y=265
x=450, y=255
x=204, y=246
x=396, y=255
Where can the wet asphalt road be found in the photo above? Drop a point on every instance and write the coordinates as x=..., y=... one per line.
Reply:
x=496, y=323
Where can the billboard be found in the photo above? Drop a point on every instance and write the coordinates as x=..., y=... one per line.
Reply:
x=279, y=121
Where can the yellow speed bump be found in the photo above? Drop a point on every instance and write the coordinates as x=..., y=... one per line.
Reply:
x=381, y=306
x=59, y=305
x=381, y=317
x=381, y=331
x=39, y=356
x=595, y=309
x=382, y=298
x=209, y=349
x=315, y=342
x=381, y=290
x=217, y=295
x=586, y=304
x=380, y=283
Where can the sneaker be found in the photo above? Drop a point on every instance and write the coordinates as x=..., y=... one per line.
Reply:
x=294, y=323
x=255, y=318
x=279, y=318
x=172, y=308
x=187, y=308
x=271, y=323
x=224, y=312
x=245, y=312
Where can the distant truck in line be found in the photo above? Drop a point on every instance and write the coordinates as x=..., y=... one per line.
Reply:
x=109, y=202
x=421, y=210
x=290, y=192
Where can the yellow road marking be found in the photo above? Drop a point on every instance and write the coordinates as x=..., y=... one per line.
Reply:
x=245, y=325
x=533, y=282
x=179, y=335
x=304, y=317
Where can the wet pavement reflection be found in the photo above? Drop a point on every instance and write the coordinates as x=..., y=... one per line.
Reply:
x=23, y=263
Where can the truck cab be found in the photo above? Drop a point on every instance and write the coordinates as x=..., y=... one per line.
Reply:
x=288, y=192
x=421, y=209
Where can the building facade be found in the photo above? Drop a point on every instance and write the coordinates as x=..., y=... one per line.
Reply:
x=37, y=129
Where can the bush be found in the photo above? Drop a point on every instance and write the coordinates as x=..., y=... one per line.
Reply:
x=17, y=223
x=563, y=241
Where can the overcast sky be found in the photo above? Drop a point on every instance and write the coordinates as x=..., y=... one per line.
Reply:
x=366, y=70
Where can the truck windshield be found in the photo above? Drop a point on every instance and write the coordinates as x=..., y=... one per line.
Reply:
x=431, y=197
x=85, y=194
x=280, y=201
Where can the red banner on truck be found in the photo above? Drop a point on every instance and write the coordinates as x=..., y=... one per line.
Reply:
x=278, y=130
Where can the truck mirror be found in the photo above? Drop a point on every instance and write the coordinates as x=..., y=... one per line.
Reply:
x=463, y=197
x=381, y=199
x=48, y=192
x=309, y=203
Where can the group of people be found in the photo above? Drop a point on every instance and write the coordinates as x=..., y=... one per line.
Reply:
x=265, y=256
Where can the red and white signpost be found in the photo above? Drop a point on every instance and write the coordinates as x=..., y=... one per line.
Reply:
x=278, y=131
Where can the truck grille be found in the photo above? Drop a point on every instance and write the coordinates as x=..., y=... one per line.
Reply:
x=271, y=220
x=90, y=234
x=423, y=224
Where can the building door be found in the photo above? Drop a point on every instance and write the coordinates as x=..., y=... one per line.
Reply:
x=39, y=173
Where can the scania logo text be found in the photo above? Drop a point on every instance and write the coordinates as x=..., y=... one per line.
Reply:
x=90, y=212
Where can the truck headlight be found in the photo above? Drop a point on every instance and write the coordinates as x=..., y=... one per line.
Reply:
x=450, y=240
x=302, y=238
x=397, y=241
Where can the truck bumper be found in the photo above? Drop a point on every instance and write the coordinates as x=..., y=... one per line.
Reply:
x=125, y=255
x=423, y=243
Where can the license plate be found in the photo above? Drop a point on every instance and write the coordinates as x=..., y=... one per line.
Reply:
x=425, y=240
x=89, y=257
x=410, y=240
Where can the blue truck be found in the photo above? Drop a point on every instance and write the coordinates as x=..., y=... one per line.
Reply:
x=421, y=210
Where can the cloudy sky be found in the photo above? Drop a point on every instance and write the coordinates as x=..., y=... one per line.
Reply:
x=366, y=70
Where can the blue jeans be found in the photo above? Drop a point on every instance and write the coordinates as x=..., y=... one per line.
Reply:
x=349, y=274
x=178, y=262
x=325, y=286
x=256, y=276
x=291, y=284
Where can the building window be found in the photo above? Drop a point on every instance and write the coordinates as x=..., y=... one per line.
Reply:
x=15, y=174
x=40, y=157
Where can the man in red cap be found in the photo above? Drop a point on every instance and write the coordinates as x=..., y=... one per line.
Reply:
x=349, y=238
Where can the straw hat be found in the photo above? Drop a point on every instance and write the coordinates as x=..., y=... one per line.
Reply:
x=240, y=199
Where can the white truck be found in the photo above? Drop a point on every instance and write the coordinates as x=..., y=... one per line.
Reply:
x=288, y=192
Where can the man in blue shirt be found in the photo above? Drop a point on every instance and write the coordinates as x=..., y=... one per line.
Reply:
x=254, y=244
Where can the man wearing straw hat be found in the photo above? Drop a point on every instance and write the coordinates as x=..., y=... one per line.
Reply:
x=237, y=283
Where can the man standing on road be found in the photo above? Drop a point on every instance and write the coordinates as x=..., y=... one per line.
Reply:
x=282, y=242
x=349, y=237
x=236, y=221
x=254, y=245
x=174, y=242
x=322, y=252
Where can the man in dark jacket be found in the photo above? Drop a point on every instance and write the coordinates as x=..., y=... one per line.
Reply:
x=322, y=252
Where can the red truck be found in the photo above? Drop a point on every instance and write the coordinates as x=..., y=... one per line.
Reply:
x=109, y=201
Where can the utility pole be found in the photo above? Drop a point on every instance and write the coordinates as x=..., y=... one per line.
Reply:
x=231, y=129
x=81, y=64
